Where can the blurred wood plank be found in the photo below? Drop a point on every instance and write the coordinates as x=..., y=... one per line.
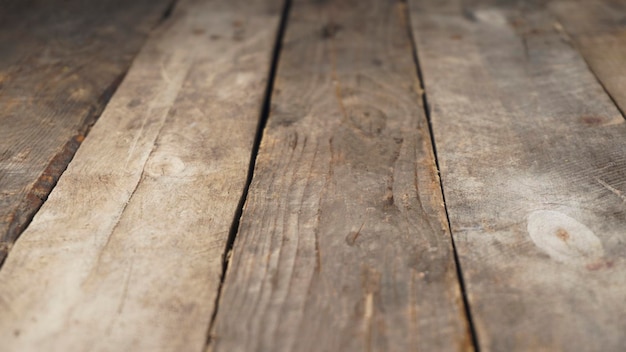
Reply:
x=126, y=254
x=533, y=164
x=598, y=29
x=343, y=244
x=60, y=61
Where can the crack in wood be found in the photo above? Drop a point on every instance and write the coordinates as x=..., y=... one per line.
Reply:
x=265, y=111
x=473, y=336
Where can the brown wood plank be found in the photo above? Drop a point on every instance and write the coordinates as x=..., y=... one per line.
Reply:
x=59, y=63
x=343, y=244
x=126, y=254
x=598, y=30
x=533, y=164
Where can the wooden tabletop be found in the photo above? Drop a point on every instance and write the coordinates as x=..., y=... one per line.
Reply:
x=304, y=175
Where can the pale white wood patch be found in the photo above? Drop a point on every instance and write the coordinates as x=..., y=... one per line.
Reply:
x=532, y=159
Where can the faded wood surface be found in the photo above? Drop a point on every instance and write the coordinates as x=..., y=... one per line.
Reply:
x=343, y=243
x=126, y=254
x=533, y=164
x=598, y=29
x=59, y=63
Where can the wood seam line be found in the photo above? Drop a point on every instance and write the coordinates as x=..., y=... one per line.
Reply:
x=69, y=150
x=54, y=171
x=426, y=107
x=167, y=13
x=572, y=43
x=264, y=116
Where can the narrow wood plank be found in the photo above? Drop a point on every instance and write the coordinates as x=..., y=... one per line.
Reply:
x=532, y=160
x=126, y=254
x=59, y=63
x=598, y=29
x=343, y=244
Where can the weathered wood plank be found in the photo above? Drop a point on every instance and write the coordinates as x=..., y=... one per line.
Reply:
x=598, y=29
x=532, y=160
x=343, y=244
x=59, y=63
x=126, y=254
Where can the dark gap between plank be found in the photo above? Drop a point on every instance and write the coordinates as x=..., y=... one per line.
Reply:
x=420, y=76
x=60, y=162
x=50, y=176
x=264, y=116
x=600, y=82
x=167, y=13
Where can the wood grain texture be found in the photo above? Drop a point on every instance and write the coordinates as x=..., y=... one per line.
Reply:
x=343, y=244
x=532, y=161
x=598, y=30
x=126, y=254
x=60, y=61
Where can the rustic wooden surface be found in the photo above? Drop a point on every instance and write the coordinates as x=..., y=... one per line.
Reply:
x=126, y=254
x=343, y=244
x=59, y=64
x=598, y=30
x=533, y=163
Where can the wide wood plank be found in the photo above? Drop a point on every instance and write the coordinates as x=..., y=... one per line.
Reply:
x=598, y=30
x=126, y=254
x=60, y=61
x=533, y=164
x=343, y=244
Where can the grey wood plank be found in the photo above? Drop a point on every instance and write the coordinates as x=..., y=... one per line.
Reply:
x=343, y=244
x=533, y=164
x=60, y=61
x=598, y=30
x=126, y=254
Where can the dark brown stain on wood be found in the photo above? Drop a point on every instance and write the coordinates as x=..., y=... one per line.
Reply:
x=60, y=62
x=562, y=234
x=592, y=120
x=330, y=30
x=38, y=194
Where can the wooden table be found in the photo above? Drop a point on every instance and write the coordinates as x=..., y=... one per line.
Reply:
x=338, y=175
